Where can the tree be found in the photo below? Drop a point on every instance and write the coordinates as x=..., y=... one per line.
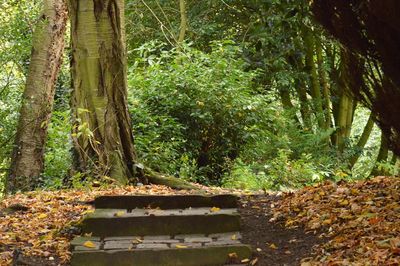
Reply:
x=102, y=131
x=370, y=31
x=37, y=103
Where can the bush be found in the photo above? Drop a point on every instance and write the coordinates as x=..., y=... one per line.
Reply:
x=207, y=101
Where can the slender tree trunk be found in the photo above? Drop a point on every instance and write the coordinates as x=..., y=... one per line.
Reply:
x=27, y=160
x=184, y=21
x=304, y=107
x=344, y=111
x=382, y=157
x=342, y=122
x=325, y=86
x=315, y=88
x=287, y=104
x=363, y=140
x=102, y=131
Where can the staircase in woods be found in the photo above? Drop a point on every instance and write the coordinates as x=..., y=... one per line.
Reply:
x=161, y=230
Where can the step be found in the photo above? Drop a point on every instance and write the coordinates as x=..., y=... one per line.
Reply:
x=117, y=222
x=166, y=202
x=199, y=250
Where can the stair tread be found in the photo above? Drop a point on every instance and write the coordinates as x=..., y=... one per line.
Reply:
x=119, y=213
x=204, y=255
x=166, y=201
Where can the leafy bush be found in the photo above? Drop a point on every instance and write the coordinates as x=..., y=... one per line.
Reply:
x=199, y=116
x=209, y=98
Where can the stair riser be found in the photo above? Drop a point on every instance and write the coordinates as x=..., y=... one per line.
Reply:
x=165, y=202
x=212, y=256
x=161, y=225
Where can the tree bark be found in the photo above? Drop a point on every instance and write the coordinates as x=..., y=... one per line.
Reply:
x=315, y=88
x=325, y=86
x=102, y=131
x=363, y=140
x=184, y=21
x=382, y=157
x=27, y=160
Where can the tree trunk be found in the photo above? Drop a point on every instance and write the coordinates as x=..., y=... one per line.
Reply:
x=287, y=104
x=382, y=157
x=27, y=159
x=363, y=140
x=102, y=131
x=183, y=27
x=315, y=89
x=325, y=86
x=304, y=108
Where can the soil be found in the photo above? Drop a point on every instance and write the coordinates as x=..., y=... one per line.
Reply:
x=272, y=242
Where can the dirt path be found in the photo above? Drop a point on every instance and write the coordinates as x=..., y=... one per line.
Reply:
x=273, y=244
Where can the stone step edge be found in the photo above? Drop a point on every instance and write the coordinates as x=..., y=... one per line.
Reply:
x=124, y=213
x=210, y=256
x=83, y=243
x=166, y=201
x=161, y=225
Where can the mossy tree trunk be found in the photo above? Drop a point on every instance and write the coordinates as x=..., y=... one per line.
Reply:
x=315, y=88
x=27, y=159
x=102, y=131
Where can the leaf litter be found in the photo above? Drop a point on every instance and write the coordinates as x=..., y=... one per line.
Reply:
x=359, y=221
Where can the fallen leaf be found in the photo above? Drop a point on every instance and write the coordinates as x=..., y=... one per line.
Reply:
x=233, y=255
x=42, y=216
x=89, y=244
x=215, y=209
x=119, y=214
x=254, y=262
x=181, y=246
x=273, y=246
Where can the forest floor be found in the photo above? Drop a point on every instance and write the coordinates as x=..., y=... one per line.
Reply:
x=329, y=224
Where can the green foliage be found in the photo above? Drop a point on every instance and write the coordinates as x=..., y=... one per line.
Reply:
x=210, y=96
x=199, y=116
x=58, y=147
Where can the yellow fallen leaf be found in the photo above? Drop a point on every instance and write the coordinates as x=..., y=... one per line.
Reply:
x=327, y=222
x=119, y=214
x=244, y=260
x=254, y=262
x=180, y=246
x=138, y=240
x=215, y=209
x=42, y=216
x=344, y=202
x=289, y=223
x=233, y=255
x=89, y=244
x=233, y=237
x=273, y=246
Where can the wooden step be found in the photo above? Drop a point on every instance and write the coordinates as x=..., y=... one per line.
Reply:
x=142, y=222
x=166, y=202
x=199, y=250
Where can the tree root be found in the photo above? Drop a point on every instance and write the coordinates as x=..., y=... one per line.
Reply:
x=166, y=180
